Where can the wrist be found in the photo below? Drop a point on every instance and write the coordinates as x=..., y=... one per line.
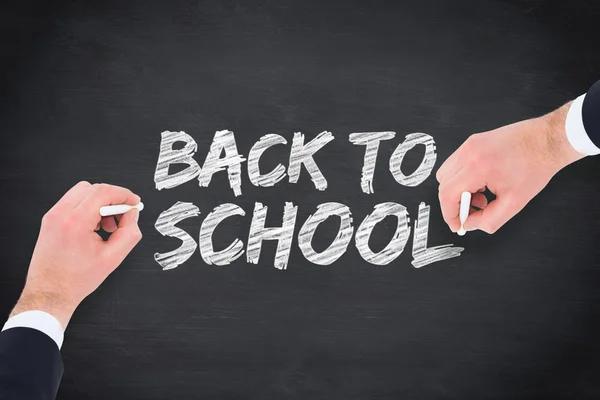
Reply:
x=560, y=151
x=51, y=303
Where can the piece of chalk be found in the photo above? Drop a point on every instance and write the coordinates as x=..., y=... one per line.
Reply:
x=465, y=206
x=107, y=211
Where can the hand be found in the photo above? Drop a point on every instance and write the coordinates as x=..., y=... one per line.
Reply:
x=70, y=260
x=514, y=162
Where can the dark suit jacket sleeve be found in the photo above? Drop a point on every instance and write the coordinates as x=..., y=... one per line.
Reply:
x=591, y=113
x=30, y=365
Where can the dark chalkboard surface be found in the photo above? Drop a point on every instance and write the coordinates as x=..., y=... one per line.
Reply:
x=88, y=87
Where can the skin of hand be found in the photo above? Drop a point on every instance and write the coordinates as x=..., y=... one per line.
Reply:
x=515, y=162
x=70, y=259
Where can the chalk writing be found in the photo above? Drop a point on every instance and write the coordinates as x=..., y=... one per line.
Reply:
x=223, y=155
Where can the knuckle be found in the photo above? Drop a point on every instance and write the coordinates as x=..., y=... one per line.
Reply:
x=443, y=195
x=101, y=187
x=475, y=137
x=490, y=227
x=478, y=159
x=72, y=221
x=475, y=152
x=49, y=217
x=471, y=144
x=83, y=183
x=468, y=144
x=135, y=234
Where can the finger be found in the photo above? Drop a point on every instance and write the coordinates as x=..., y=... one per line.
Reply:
x=97, y=227
x=103, y=195
x=492, y=217
x=479, y=200
x=448, y=168
x=109, y=224
x=73, y=197
x=450, y=194
x=118, y=218
x=123, y=240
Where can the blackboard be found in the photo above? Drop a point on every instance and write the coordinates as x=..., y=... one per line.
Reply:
x=88, y=87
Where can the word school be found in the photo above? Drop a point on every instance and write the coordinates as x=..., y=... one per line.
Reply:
x=223, y=155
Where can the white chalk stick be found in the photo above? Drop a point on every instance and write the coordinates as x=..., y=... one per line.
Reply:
x=107, y=211
x=465, y=206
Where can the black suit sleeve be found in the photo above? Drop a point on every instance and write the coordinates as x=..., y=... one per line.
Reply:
x=30, y=365
x=590, y=113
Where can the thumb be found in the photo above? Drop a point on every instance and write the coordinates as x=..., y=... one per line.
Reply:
x=124, y=238
x=492, y=217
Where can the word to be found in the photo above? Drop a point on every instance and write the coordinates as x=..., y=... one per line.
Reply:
x=223, y=155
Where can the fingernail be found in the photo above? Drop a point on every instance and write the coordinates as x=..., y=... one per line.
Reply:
x=136, y=215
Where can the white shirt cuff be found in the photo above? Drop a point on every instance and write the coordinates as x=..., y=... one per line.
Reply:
x=39, y=320
x=575, y=129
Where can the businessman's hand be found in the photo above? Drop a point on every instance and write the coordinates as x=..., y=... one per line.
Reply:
x=514, y=162
x=70, y=259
